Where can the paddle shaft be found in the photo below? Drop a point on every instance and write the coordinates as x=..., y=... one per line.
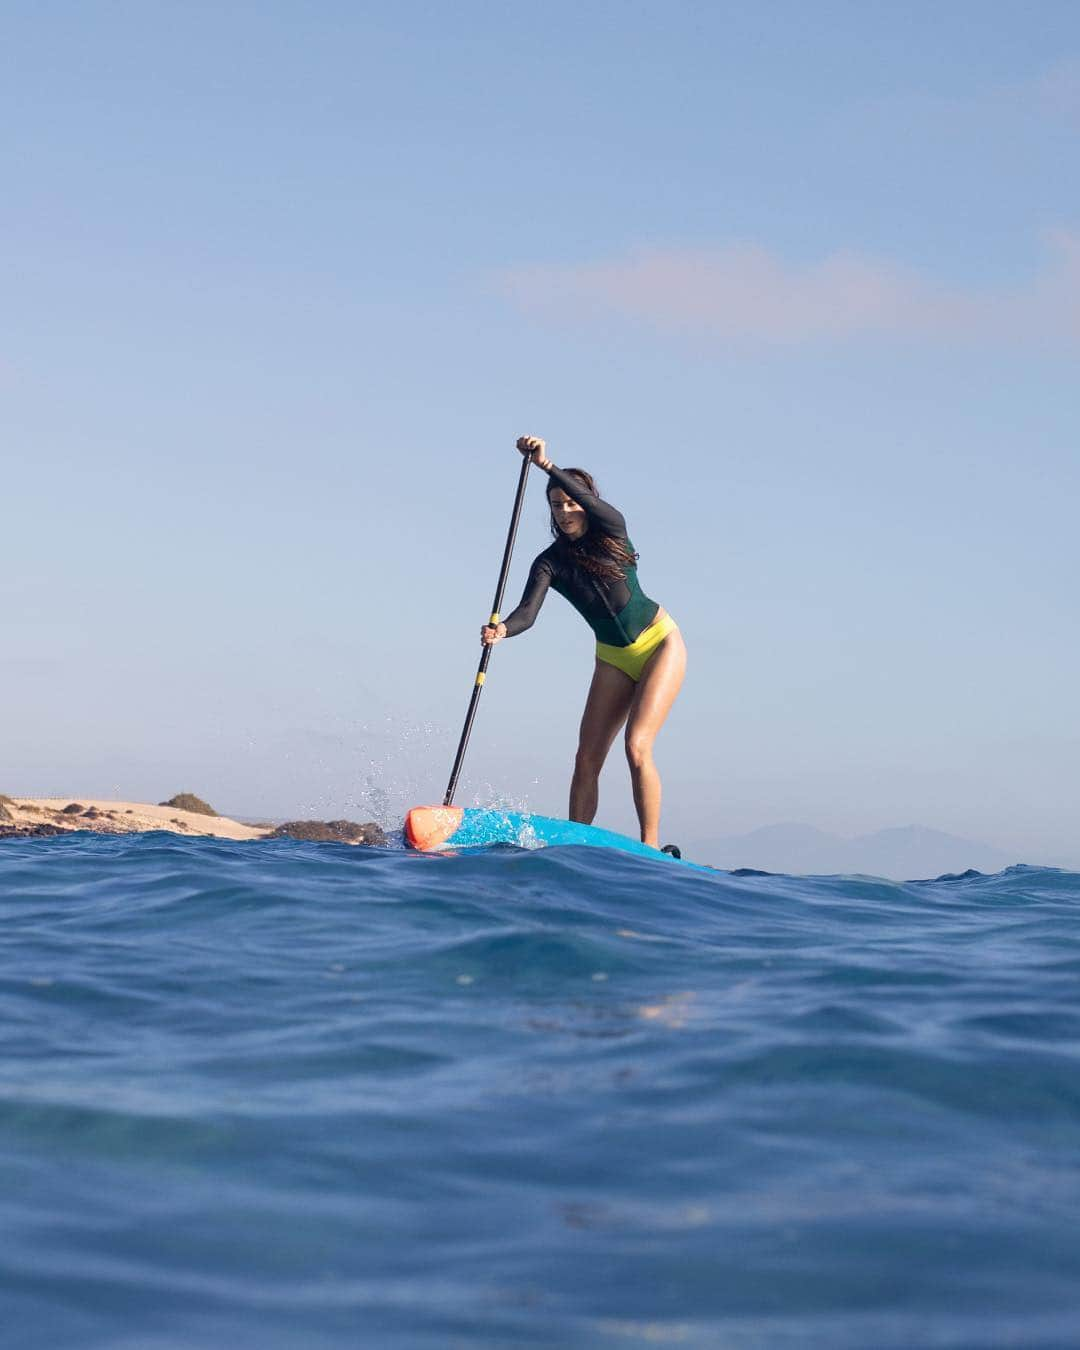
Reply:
x=496, y=608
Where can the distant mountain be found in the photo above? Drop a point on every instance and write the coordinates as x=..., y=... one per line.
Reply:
x=916, y=851
x=903, y=853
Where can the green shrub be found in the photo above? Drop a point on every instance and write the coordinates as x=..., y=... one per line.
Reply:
x=187, y=801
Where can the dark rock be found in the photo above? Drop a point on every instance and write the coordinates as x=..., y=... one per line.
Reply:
x=30, y=831
x=91, y=813
x=187, y=801
x=73, y=809
x=330, y=832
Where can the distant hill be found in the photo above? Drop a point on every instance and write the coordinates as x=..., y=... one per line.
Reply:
x=903, y=853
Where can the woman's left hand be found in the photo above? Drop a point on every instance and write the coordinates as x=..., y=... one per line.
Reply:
x=535, y=447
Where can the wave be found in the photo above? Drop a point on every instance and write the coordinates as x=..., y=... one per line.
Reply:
x=290, y=1093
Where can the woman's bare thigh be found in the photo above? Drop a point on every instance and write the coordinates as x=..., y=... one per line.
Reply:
x=655, y=692
x=606, y=708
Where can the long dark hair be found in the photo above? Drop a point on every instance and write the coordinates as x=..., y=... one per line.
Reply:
x=600, y=554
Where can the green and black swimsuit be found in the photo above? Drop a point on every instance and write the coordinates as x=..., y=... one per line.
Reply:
x=618, y=611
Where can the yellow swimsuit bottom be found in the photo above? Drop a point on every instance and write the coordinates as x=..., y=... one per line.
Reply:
x=632, y=660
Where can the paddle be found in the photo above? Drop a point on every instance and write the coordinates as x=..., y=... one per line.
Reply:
x=481, y=673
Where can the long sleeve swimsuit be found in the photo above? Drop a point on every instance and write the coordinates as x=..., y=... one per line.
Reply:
x=617, y=611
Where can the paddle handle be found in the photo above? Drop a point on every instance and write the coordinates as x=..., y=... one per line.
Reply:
x=496, y=611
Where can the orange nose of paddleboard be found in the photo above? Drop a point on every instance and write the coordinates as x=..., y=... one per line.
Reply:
x=427, y=827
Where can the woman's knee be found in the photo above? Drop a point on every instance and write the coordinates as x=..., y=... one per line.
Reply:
x=587, y=762
x=639, y=747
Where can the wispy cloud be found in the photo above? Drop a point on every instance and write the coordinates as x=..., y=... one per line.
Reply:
x=1057, y=90
x=746, y=291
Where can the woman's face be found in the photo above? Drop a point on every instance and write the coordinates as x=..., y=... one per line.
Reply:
x=567, y=514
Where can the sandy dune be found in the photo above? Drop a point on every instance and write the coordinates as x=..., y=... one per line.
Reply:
x=106, y=817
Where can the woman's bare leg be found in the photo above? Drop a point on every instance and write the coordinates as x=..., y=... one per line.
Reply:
x=610, y=695
x=653, y=696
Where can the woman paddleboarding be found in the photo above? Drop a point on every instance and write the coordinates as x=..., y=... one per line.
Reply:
x=640, y=653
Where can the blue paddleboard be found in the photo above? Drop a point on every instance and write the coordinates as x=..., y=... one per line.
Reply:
x=441, y=828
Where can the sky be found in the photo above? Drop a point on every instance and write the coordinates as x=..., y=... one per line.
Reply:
x=281, y=283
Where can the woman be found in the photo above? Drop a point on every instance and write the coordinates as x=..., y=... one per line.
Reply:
x=640, y=654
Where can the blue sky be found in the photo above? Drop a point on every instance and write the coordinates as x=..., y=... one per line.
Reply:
x=281, y=284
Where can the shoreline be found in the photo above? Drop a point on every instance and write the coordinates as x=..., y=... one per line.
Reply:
x=27, y=817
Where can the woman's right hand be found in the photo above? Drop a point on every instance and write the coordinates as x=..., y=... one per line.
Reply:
x=492, y=633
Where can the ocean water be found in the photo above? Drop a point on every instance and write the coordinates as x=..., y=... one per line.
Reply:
x=296, y=1095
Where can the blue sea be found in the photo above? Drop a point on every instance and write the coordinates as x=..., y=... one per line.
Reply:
x=300, y=1095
